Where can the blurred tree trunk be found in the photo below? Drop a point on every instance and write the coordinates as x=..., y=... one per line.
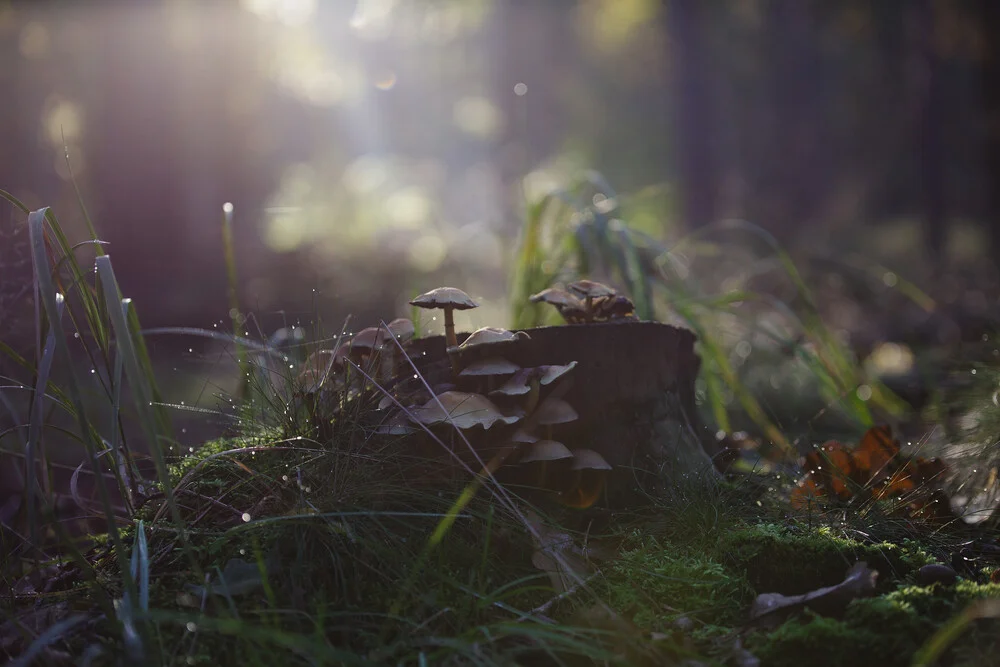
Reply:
x=931, y=142
x=694, y=114
x=990, y=25
x=799, y=167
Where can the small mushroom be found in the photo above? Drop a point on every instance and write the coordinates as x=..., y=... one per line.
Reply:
x=551, y=373
x=491, y=366
x=523, y=437
x=538, y=456
x=462, y=409
x=491, y=336
x=448, y=299
x=518, y=384
x=366, y=342
x=315, y=369
x=397, y=424
x=402, y=330
x=590, y=472
x=393, y=362
x=572, y=309
x=617, y=307
x=590, y=290
x=554, y=411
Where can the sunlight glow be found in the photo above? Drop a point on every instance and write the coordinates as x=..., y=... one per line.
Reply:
x=477, y=116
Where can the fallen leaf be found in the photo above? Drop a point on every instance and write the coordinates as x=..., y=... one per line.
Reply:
x=772, y=608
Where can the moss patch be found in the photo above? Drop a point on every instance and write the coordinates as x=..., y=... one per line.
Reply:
x=792, y=560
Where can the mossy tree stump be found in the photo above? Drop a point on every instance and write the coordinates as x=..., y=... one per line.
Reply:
x=633, y=388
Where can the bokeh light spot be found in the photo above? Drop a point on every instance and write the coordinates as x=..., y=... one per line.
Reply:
x=477, y=116
x=385, y=80
x=34, y=40
x=408, y=207
x=63, y=121
x=427, y=253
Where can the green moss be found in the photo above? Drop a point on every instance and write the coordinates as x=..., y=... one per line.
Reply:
x=792, y=560
x=659, y=581
x=818, y=641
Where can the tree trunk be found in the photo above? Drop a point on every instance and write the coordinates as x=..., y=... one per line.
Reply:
x=633, y=389
x=990, y=22
x=694, y=118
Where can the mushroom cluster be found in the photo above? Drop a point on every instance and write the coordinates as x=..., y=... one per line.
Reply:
x=586, y=301
x=491, y=399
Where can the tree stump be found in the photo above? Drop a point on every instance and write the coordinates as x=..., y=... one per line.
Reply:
x=633, y=388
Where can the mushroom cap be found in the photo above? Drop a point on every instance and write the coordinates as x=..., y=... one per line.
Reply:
x=402, y=329
x=590, y=288
x=491, y=336
x=315, y=370
x=517, y=385
x=546, y=450
x=397, y=424
x=520, y=435
x=588, y=459
x=445, y=297
x=463, y=409
x=371, y=338
x=556, y=297
x=613, y=307
x=549, y=374
x=490, y=366
x=555, y=411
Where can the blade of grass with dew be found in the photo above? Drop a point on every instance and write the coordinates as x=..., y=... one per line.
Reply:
x=47, y=292
x=142, y=396
x=133, y=622
x=91, y=309
x=229, y=257
x=36, y=419
x=124, y=463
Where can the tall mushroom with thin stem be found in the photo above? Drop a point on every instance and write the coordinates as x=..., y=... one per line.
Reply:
x=448, y=299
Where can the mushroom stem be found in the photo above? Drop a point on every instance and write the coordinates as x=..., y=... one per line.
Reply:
x=531, y=402
x=590, y=309
x=449, y=327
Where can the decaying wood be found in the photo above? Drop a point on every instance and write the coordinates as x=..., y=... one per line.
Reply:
x=633, y=388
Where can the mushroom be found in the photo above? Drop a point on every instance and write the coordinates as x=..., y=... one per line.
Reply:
x=590, y=472
x=402, y=329
x=315, y=370
x=393, y=361
x=540, y=453
x=462, y=409
x=556, y=297
x=519, y=384
x=490, y=336
x=590, y=290
x=554, y=411
x=522, y=436
x=448, y=299
x=617, y=307
x=366, y=342
x=490, y=368
x=551, y=373
x=397, y=424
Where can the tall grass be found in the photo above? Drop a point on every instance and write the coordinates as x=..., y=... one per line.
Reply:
x=582, y=231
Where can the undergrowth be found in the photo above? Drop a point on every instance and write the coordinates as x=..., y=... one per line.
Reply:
x=297, y=540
